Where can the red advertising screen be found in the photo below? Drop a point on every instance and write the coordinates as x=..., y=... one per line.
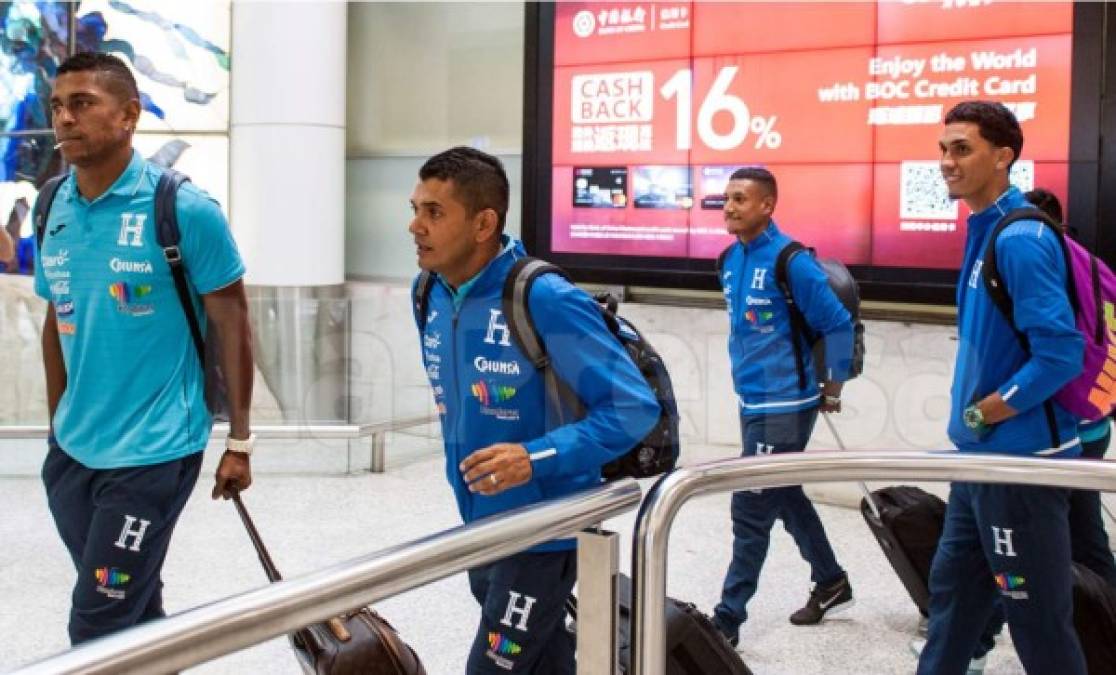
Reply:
x=656, y=103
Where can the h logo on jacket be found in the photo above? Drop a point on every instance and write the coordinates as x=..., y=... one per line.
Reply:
x=497, y=324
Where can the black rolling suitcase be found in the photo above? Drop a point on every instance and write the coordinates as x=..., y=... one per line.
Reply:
x=1094, y=618
x=694, y=646
x=907, y=522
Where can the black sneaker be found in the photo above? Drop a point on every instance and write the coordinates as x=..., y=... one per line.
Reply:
x=824, y=600
x=733, y=637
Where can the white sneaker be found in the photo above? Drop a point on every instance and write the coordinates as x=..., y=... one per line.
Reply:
x=976, y=666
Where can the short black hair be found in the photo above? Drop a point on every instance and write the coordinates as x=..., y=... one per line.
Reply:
x=996, y=123
x=479, y=180
x=760, y=175
x=1047, y=201
x=114, y=73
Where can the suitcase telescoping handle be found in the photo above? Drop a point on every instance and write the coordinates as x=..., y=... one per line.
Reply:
x=864, y=488
x=261, y=550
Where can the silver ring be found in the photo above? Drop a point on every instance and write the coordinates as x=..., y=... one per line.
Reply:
x=492, y=477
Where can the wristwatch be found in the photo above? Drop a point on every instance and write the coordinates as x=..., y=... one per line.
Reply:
x=244, y=447
x=974, y=418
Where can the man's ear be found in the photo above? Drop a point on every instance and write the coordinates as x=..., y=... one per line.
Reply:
x=487, y=225
x=1005, y=159
x=132, y=111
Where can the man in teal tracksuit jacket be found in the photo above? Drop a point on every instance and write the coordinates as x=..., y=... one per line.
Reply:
x=500, y=451
x=1005, y=543
x=777, y=411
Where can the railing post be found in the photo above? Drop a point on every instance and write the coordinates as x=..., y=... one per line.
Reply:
x=378, y=461
x=598, y=558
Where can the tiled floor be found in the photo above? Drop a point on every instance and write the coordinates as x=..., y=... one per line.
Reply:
x=314, y=520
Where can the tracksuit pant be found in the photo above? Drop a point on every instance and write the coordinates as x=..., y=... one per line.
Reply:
x=754, y=513
x=523, y=615
x=116, y=524
x=1005, y=546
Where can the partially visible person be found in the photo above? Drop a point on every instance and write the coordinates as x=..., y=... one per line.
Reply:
x=124, y=382
x=502, y=450
x=1088, y=538
x=777, y=408
x=1005, y=545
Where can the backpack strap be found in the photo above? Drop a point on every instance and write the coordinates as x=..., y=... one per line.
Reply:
x=797, y=320
x=40, y=213
x=168, y=236
x=997, y=289
x=517, y=312
x=420, y=298
x=990, y=269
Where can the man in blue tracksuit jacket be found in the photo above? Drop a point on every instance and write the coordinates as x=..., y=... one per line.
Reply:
x=1005, y=542
x=777, y=415
x=500, y=453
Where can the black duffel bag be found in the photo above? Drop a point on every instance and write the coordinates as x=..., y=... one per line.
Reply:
x=360, y=642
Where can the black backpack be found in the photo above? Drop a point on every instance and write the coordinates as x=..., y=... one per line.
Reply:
x=658, y=452
x=167, y=234
x=847, y=291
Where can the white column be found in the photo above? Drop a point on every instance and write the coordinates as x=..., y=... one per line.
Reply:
x=287, y=202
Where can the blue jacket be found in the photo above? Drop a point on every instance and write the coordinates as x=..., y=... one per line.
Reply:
x=486, y=390
x=989, y=354
x=760, y=347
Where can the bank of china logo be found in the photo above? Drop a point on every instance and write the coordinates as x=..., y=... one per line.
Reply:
x=111, y=576
x=584, y=23
x=488, y=393
x=126, y=296
x=755, y=318
x=501, y=645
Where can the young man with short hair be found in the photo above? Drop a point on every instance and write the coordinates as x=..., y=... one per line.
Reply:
x=1006, y=543
x=125, y=386
x=777, y=410
x=501, y=452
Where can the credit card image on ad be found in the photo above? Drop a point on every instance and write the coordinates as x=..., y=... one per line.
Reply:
x=662, y=187
x=600, y=187
x=714, y=180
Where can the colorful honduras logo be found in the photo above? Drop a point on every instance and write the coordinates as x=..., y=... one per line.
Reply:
x=501, y=645
x=1009, y=582
x=111, y=576
x=755, y=317
x=125, y=294
x=488, y=393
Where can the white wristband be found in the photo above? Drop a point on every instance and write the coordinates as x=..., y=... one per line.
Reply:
x=244, y=447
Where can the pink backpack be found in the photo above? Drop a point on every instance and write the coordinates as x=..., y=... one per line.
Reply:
x=1092, y=293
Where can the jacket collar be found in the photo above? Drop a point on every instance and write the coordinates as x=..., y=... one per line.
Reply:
x=769, y=234
x=491, y=275
x=1011, y=199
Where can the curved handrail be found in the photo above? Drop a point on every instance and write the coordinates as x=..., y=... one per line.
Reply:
x=212, y=630
x=666, y=497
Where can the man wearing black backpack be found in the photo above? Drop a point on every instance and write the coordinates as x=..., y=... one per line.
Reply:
x=779, y=403
x=503, y=448
x=125, y=385
x=1005, y=543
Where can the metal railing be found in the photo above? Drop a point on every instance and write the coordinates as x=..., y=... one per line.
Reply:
x=376, y=432
x=216, y=629
x=657, y=513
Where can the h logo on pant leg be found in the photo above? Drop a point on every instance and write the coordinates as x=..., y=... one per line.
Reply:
x=523, y=610
x=136, y=534
x=1001, y=541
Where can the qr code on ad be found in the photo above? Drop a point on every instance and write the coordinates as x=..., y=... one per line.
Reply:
x=1022, y=175
x=923, y=193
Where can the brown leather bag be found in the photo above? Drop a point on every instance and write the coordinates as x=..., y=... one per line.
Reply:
x=360, y=642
